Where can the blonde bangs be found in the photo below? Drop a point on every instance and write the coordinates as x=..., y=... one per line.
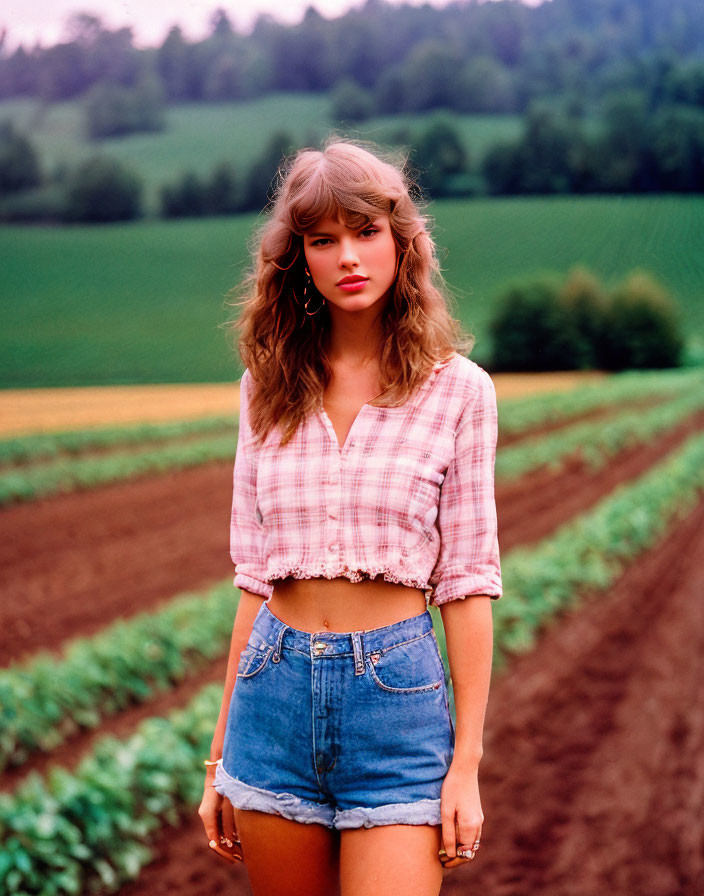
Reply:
x=329, y=187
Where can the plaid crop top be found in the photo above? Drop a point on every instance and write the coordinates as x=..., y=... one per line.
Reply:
x=409, y=496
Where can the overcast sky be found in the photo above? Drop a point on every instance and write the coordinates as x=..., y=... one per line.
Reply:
x=30, y=20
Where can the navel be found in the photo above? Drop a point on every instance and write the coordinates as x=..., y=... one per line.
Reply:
x=326, y=623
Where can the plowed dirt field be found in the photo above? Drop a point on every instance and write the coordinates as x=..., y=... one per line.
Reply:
x=593, y=773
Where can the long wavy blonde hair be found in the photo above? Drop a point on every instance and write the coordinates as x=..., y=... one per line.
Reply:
x=284, y=348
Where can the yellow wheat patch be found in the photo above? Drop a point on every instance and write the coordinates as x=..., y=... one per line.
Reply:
x=24, y=411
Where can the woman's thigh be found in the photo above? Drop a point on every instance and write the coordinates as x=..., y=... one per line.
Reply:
x=393, y=859
x=288, y=858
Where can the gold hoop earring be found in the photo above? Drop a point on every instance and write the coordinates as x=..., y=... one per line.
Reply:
x=307, y=301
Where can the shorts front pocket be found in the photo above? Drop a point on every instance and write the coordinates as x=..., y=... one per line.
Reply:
x=253, y=659
x=411, y=667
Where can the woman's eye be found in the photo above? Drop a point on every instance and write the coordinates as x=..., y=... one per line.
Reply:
x=320, y=241
x=370, y=231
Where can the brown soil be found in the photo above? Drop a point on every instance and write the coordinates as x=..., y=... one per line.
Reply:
x=72, y=563
x=533, y=506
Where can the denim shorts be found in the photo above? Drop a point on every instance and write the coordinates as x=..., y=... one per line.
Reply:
x=344, y=729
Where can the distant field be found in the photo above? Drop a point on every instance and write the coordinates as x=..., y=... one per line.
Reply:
x=199, y=135
x=144, y=303
x=24, y=411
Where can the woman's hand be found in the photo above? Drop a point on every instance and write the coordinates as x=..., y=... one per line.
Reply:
x=218, y=819
x=461, y=814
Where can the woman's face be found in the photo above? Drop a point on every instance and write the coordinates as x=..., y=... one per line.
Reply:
x=353, y=269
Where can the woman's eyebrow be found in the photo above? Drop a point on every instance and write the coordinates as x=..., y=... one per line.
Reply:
x=314, y=233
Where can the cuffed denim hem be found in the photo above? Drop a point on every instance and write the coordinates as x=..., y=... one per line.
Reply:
x=246, y=796
x=420, y=812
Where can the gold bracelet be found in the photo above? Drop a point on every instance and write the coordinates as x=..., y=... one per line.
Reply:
x=210, y=762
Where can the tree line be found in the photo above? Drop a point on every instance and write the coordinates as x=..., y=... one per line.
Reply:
x=101, y=189
x=629, y=150
x=469, y=57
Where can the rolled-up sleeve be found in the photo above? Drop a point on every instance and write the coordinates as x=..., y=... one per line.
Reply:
x=468, y=562
x=247, y=536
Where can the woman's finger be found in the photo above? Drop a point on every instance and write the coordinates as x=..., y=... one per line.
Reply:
x=229, y=854
x=468, y=840
x=232, y=840
x=447, y=816
x=210, y=816
x=228, y=821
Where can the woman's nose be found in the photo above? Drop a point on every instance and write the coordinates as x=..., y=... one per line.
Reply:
x=348, y=255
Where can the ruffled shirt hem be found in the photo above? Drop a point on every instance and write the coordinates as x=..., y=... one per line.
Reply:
x=336, y=571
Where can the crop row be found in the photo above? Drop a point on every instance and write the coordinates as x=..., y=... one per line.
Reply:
x=70, y=474
x=43, y=446
x=596, y=440
x=519, y=414
x=87, y=472
x=87, y=831
x=82, y=831
x=592, y=549
x=44, y=701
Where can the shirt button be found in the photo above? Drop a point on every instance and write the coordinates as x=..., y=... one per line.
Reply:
x=332, y=547
x=332, y=514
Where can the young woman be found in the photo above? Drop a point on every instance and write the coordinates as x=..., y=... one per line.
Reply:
x=363, y=486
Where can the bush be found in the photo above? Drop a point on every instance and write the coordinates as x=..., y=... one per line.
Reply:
x=185, y=198
x=102, y=190
x=586, y=304
x=540, y=325
x=112, y=111
x=532, y=329
x=46, y=203
x=223, y=195
x=441, y=158
x=190, y=196
x=260, y=177
x=19, y=163
x=350, y=102
x=643, y=326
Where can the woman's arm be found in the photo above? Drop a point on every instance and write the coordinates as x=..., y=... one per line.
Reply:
x=469, y=637
x=215, y=811
x=247, y=609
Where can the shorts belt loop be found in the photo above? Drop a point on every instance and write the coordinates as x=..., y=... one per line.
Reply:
x=358, y=653
x=277, y=651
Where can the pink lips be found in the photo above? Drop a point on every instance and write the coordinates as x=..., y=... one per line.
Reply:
x=352, y=284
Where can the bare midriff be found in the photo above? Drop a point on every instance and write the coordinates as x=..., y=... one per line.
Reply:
x=339, y=605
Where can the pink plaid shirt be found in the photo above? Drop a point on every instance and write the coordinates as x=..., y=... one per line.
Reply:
x=409, y=496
